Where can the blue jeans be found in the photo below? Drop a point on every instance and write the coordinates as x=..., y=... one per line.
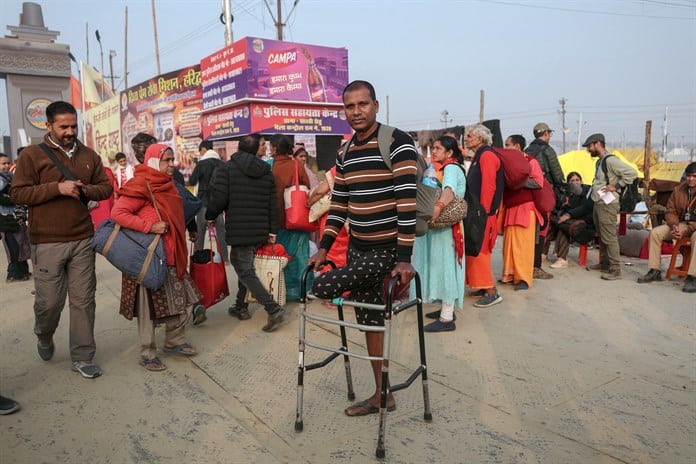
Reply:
x=242, y=259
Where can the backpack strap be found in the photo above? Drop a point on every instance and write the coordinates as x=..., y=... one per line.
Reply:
x=603, y=163
x=384, y=136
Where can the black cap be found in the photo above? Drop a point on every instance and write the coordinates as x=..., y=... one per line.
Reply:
x=593, y=138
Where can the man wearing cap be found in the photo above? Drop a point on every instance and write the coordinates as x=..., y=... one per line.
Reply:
x=680, y=219
x=540, y=150
x=605, y=194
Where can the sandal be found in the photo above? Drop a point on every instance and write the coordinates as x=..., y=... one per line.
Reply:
x=185, y=349
x=364, y=408
x=154, y=364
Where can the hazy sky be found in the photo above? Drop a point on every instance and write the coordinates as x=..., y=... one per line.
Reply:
x=616, y=62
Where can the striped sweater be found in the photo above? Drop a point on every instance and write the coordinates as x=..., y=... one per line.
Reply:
x=379, y=203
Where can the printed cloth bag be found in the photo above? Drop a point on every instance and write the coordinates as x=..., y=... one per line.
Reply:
x=269, y=262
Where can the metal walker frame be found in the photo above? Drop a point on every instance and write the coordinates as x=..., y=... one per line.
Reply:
x=389, y=312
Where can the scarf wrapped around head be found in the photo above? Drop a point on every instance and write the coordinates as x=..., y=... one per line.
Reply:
x=167, y=200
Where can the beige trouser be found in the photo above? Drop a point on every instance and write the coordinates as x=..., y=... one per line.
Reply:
x=175, y=327
x=60, y=270
x=658, y=235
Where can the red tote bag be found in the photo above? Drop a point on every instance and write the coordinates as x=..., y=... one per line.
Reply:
x=210, y=277
x=296, y=209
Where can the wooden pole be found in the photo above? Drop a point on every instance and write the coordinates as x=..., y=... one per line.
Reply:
x=87, y=40
x=646, y=172
x=154, y=29
x=125, y=51
x=482, y=98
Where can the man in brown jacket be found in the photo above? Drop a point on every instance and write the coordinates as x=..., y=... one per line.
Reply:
x=681, y=222
x=60, y=231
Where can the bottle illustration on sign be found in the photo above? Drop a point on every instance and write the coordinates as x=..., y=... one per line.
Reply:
x=315, y=82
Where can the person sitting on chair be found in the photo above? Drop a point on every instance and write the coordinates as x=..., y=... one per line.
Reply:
x=680, y=220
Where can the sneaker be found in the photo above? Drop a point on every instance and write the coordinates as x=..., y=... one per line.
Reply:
x=8, y=406
x=436, y=315
x=87, y=369
x=560, y=263
x=274, y=321
x=46, y=351
x=439, y=326
x=539, y=273
x=488, y=300
x=241, y=313
x=522, y=285
x=653, y=275
x=199, y=316
x=689, y=284
x=611, y=275
x=479, y=292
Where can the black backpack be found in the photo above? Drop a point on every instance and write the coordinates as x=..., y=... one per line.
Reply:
x=474, y=224
x=629, y=196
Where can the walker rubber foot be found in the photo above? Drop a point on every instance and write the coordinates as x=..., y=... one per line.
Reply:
x=298, y=426
x=380, y=453
x=428, y=417
x=351, y=396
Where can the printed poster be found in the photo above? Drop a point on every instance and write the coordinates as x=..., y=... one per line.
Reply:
x=103, y=129
x=167, y=107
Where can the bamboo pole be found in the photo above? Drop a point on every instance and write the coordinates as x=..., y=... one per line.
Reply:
x=482, y=96
x=646, y=173
x=154, y=29
x=125, y=51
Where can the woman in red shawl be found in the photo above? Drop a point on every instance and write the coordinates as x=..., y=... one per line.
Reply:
x=172, y=304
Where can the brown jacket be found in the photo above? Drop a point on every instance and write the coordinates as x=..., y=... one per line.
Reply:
x=55, y=218
x=676, y=207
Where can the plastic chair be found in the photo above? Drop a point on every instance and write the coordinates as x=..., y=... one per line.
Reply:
x=389, y=312
x=682, y=246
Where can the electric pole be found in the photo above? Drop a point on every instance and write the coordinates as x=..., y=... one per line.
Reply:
x=445, y=119
x=562, y=102
x=278, y=20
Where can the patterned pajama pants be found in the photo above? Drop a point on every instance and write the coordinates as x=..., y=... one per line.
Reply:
x=364, y=277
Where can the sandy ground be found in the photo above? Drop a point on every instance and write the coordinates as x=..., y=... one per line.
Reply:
x=576, y=370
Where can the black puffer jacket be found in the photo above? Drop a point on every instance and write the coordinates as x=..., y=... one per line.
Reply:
x=244, y=188
x=546, y=156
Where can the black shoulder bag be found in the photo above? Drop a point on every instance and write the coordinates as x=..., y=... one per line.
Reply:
x=89, y=204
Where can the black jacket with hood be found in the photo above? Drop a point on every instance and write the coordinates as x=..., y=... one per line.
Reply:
x=244, y=188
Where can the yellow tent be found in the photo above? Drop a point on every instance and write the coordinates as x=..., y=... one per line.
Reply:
x=581, y=162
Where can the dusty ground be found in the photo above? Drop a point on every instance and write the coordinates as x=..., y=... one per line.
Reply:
x=577, y=370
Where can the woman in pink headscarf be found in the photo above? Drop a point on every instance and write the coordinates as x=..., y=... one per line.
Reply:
x=172, y=304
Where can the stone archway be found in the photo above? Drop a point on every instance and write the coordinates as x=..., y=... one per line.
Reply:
x=36, y=70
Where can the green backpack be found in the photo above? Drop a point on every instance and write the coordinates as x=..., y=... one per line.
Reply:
x=426, y=196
